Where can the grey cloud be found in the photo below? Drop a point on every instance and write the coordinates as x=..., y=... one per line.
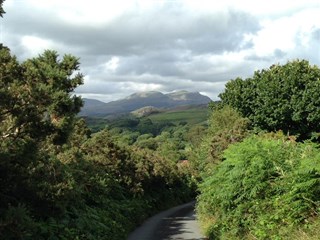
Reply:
x=307, y=48
x=279, y=53
x=98, y=87
x=169, y=46
x=166, y=86
x=275, y=57
x=316, y=34
x=136, y=33
x=162, y=62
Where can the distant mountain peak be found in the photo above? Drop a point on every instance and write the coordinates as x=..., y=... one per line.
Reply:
x=92, y=102
x=185, y=95
x=179, y=92
x=144, y=94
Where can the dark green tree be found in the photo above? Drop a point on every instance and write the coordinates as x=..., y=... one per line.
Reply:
x=37, y=114
x=36, y=96
x=283, y=97
x=49, y=85
x=1, y=8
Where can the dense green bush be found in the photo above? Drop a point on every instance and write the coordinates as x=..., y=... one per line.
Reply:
x=97, y=190
x=282, y=97
x=226, y=126
x=266, y=188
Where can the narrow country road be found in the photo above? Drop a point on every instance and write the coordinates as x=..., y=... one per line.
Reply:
x=178, y=223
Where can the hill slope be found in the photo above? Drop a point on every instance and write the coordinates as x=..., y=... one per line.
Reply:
x=191, y=115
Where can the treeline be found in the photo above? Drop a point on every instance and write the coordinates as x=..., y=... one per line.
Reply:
x=130, y=123
x=58, y=181
x=260, y=161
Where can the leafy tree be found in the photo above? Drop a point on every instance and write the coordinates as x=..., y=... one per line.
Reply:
x=149, y=143
x=125, y=122
x=36, y=96
x=37, y=113
x=101, y=150
x=195, y=134
x=226, y=126
x=1, y=8
x=283, y=97
x=128, y=138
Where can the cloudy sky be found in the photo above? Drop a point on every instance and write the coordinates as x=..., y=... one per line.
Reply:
x=161, y=45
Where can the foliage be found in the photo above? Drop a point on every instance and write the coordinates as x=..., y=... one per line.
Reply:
x=173, y=142
x=154, y=123
x=35, y=96
x=36, y=110
x=140, y=125
x=283, y=97
x=96, y=124
x=37, y=114
x=1, y=8
x=266, y=187
x=226, y=126
x=57, y=181
x=190, y=116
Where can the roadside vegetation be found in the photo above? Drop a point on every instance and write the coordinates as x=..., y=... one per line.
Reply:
x=59, y=181
x=260, y=161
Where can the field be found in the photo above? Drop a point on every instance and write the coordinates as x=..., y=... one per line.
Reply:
x=190, y=116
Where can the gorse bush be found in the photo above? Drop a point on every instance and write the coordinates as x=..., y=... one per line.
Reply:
x=266, y=187
x=226, y=126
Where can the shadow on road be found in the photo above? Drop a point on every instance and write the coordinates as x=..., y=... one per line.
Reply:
x=181, y=225
x=178, y=223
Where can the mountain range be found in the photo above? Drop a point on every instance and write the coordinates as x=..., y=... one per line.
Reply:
x=95, y=108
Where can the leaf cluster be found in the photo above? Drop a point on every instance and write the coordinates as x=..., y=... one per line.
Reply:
x=267, y=187
x=226, y=126
x=283, y=97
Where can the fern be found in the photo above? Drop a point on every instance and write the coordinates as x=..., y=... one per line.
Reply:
x=265, y=186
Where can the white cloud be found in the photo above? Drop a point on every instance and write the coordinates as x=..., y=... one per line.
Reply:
x=79, y=12
x=140, y=87
x=35, y=45
x=259, y=8
x=112, y=64
x=283, y=33
x=277, y=34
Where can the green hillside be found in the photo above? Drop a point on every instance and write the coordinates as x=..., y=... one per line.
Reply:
x=179, y=116
x=191, y=116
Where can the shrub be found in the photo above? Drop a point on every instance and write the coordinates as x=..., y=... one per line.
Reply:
x=266, y=187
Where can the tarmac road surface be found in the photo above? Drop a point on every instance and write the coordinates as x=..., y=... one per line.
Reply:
x=178, y=223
